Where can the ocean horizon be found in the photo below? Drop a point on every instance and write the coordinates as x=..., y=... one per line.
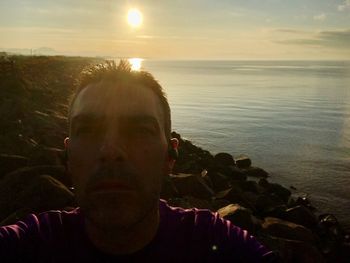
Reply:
x=292, y=118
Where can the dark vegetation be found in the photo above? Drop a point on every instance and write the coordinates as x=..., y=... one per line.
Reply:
x=34, y=96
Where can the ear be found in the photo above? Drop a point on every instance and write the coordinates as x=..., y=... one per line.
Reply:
x=66, y=146
x=66, y=142
x=174, y=143
x=172, y=153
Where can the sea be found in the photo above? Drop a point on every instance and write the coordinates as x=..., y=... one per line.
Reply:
x=292, y=118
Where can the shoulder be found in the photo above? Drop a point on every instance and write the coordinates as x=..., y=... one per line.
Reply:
x=36, y=231
x=200, y=220
x=209, y=234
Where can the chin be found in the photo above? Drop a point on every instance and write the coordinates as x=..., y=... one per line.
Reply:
x=116, y=211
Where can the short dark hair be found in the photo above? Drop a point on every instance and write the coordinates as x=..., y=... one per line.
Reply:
x=123, y=73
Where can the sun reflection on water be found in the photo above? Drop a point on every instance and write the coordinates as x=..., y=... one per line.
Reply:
x=136, y=63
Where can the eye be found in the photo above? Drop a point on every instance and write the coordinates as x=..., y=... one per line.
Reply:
x=82, y=129
x=142, y=130
x=86, y=129
x=147, y=130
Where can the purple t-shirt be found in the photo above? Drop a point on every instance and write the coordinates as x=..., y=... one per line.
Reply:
x=183, y=235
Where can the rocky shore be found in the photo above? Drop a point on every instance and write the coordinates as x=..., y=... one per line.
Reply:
x=33, y=108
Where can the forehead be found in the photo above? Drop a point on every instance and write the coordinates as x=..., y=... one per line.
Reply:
x=113, y=101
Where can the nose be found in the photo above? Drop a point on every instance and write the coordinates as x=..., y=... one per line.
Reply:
x=112, y=148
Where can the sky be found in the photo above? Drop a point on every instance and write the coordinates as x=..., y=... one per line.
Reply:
x=179, y=29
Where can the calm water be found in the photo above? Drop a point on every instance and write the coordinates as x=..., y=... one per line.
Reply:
x=291, y=118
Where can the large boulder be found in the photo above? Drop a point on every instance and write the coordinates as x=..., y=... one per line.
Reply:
x=43, y=155
x=243, y=162
x=302, y=216
x=276, y=189
x=9, y=163
x=230, y=171
x=266, y=202
x=292, y=251
x=36, y=193
x=235, y=196
x=239, y=216
x=288, y=230
x=219, y=181
x=56, y=171
x=192, y=185
x=249, y=186
x=255, y=172
x=224, y=159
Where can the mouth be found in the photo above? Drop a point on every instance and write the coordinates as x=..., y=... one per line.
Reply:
x=110, y=187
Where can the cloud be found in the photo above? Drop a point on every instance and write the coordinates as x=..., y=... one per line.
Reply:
x=290, y=31
x=331, y=38
x=172, y=37
x=337, y=38
x=320, y=17
x=344, y=6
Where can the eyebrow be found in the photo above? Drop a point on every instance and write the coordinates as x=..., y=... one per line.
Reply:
x=87, y=117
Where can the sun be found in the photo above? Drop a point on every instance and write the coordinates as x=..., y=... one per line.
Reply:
x=134, y=17
x=136, y=63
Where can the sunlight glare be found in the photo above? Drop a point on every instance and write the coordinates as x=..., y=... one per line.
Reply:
x=134, y=17
x=136, y=63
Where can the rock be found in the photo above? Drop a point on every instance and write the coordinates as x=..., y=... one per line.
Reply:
x=9, y=163
x=301, y=216
x=266, y=203
x=192, y=185
x=42, y=155
x=303, y=200
x=255, y=172
x=235, y=196
x=237, y=174
x=278, y=211
x=250, y=196
x=207, y=179
x=38, y=193
x=239, y=216
x=216, y=204
x=231, y=172
x=331, y=233
x=276, y=189
x=224, y=159
x=243, y=162
x=250, y=186
x=288, y=230
x=56, y=171
x=219, y=181
x=291, y=251
x=168, y=190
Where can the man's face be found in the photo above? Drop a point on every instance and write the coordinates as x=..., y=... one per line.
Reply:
x=117, y=153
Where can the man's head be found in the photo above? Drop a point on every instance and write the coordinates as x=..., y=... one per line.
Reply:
x=119, y=140
x=122, y=74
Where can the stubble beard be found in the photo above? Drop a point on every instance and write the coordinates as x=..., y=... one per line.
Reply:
x=115, y=210
x=110, y=213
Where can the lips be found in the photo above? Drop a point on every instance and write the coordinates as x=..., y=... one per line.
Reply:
x=110, y=186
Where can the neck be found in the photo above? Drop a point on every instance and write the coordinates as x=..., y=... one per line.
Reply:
x=126, y=240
